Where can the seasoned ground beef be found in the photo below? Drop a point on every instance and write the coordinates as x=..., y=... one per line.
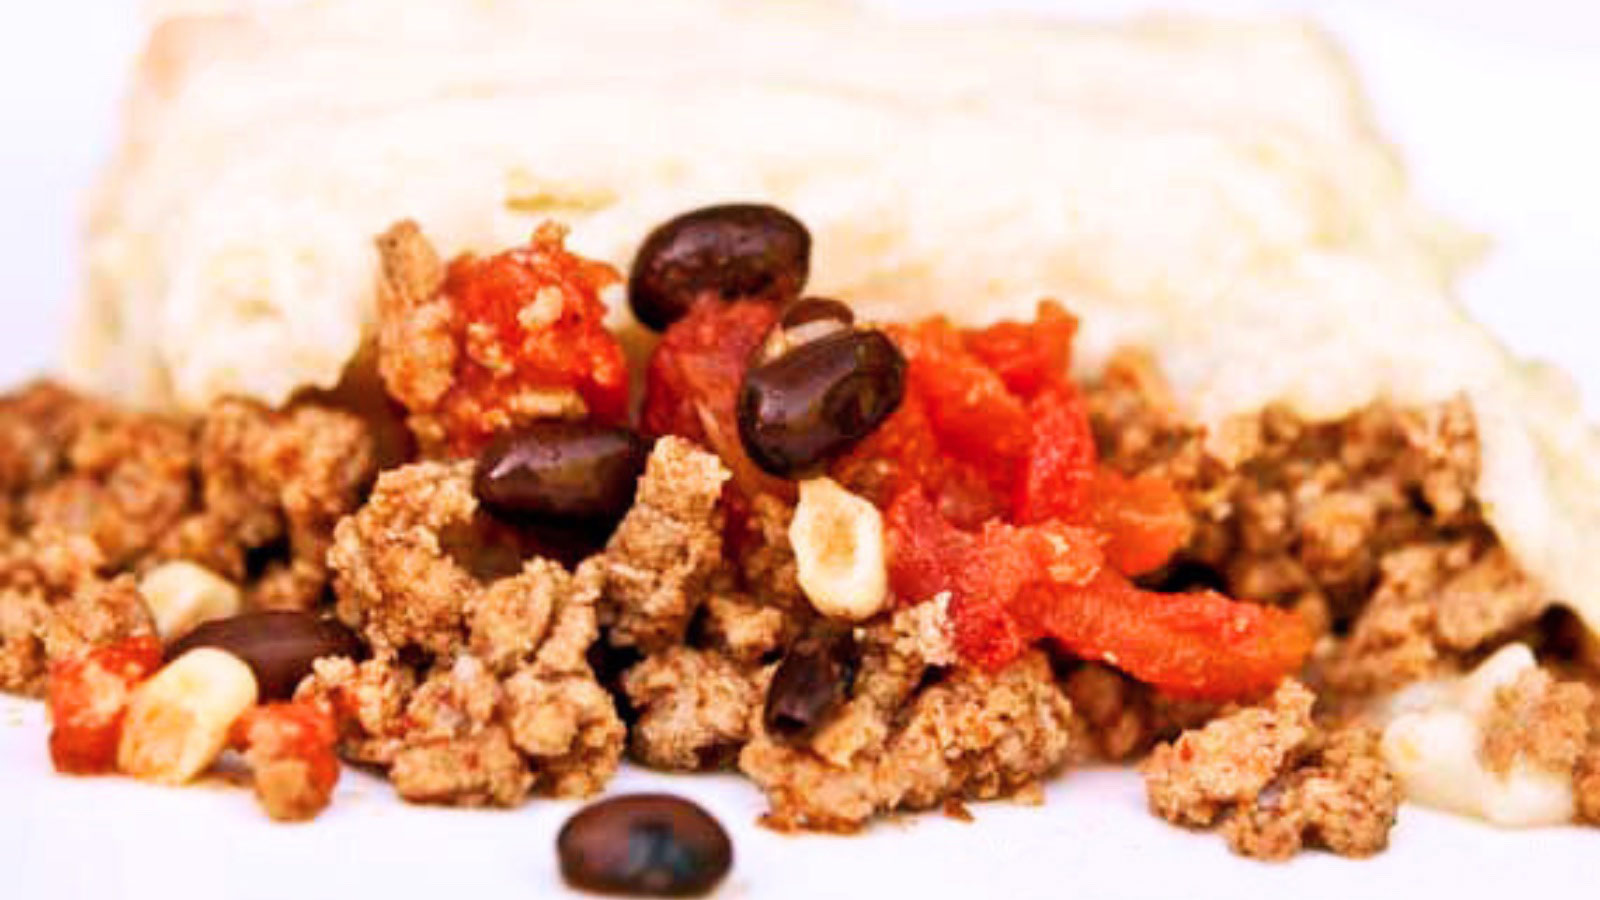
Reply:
x=480, y=688
x=1367, y=525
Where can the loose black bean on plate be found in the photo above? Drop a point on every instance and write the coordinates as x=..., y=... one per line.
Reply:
x=813, y=681
x=741, y=250
x=561, y=472
x=819, y=399
x=278, y=646
x=644, y=845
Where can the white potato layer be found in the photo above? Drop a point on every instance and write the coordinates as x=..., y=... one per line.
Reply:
x=1212, y=191
x=1435, y=753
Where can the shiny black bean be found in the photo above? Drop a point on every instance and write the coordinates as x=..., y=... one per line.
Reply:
x=811, y=310
x=644, y=845
x=742, y=250
x=813, y=681
x=818, y=400
x=561, y=471
x=802, y=322
x=279, y=647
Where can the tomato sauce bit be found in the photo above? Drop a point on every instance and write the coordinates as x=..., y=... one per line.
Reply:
x=530, y=320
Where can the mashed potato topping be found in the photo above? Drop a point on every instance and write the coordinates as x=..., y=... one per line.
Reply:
x=1212, y=191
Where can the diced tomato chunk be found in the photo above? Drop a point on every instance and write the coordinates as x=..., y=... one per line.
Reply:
x=692, y=384
x=973, y=415
x=1028, y=356
x=88, y=700
x=1144, y=520
x=529, y=320
x=1059, y=471
x=925, y=550
x=1201, y=645
x=904, y=453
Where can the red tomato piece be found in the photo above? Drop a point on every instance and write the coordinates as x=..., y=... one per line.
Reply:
x=1059, y=471
x=925, y=550
x=527, y=320
x=1011, y=586
x=903, y=454
x=1201, y=645
x=974, y=417
x=88, y=700
x=1028, y=356
x=1144, y=519
x=692, y=384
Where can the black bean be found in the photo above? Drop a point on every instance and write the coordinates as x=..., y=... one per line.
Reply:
x=818, y=400
x=742, y=250
x=561, y=471
x=644, y=845
x=810, y=310
x=802, y=322
x=813, y=681
x=279, y=647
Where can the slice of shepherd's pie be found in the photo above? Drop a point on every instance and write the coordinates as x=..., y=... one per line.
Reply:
x=980, y=399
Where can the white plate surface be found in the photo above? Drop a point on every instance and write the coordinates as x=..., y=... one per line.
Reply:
x=1494, y=105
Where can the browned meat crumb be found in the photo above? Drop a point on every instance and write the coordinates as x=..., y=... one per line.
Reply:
x=745, y=630
x=1123, y=718
x=273, y=478
x=53, y=601
x=127, y=482
x=972, y=736
x=980, y=736
x=1368, y=524
x=1277, y=781
x=394, y=579
x=767, y=564
x=368, y=700
x=569, y=728
x=1343, y=798
x=118, y=492
x=1537, y=721
x=695, y=708
x=1230, y=761
x=481, y=770
x=660, y=561
x=510, y=701
x=1586, y=785
x=1488, y=600
x=416, y=333
x=457, y=700
x=509, y=619
x=1392, y=641
x=98, y=612
x=37, y=426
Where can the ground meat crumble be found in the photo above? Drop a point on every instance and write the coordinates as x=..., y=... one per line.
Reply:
x=1367, y=525
x=93, y=496
x=658, y=565
x=479, y=690
x=506, y=702
x=1276, y=781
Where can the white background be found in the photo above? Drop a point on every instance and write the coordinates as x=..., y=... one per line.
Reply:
x=1495, y=104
